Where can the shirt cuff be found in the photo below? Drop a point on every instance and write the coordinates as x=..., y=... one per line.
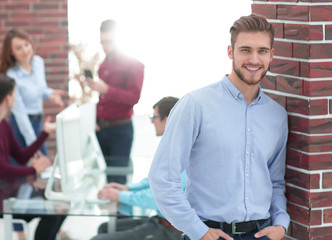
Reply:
x=124, y=197
x=131, y=186
x=197, y=230
x=48, y=92
x=282, y=220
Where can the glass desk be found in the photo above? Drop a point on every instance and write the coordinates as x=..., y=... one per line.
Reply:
x=80, y=206
x=39, y=207
x=12, y=204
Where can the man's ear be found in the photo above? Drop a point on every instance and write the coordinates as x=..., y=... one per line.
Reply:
x=230, y=52
x=7, y=98
x=165, y=118
x=272, y=54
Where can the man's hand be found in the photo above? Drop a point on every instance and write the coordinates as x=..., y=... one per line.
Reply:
x=109, y=193
x=272, y=232
x=214, y=234
x=99, y=86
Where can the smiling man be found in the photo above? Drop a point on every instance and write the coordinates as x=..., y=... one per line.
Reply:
x=231, y=140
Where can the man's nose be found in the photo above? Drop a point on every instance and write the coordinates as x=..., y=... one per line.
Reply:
x=254, y=58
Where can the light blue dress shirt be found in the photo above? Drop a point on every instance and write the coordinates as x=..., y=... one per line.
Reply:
x=234, y=156
x=31, y=90
x=140, y=195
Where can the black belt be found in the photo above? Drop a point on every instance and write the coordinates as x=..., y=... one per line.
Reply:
x=236, y=228
x=36, y=117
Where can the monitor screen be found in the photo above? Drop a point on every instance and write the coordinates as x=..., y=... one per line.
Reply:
x=78, y=151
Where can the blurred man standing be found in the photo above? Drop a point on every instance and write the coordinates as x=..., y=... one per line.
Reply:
x=120, y=83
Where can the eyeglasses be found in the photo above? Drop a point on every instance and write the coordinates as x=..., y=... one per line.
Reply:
x=154, y=117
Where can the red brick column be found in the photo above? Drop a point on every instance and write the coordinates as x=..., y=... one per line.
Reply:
x=46, y=21
x=300, y=79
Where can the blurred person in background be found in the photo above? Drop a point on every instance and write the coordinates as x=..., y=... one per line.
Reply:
x=140, y=195
x=48, y=225
x=18, y=61
x=119, y=85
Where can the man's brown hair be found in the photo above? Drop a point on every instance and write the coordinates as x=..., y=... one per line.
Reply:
x=7, y=86
x=165, y=105
x=251, y=23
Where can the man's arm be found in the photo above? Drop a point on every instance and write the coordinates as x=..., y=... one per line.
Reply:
x=21, y=116
x=143, y=184
x=171, y=158
x=277, y=169
x=277, y=166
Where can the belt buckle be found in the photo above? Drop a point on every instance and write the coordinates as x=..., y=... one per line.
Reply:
x=234, y=229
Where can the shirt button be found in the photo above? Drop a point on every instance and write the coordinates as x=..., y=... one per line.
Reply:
x=247, y=175
x=247, y=153
x=247, y=198
x=248, y=129
x=247, y=219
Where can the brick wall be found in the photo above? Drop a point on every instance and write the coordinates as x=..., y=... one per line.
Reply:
x=46, y=22
x=300, y=79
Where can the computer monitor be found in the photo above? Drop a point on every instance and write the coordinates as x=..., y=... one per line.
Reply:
x=79, y=159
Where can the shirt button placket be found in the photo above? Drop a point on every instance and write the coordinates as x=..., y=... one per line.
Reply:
x=247, y=163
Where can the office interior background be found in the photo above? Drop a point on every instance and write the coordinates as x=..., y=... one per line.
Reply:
x=183, y=45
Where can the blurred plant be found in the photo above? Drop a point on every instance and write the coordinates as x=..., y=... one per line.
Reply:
x=79, y=92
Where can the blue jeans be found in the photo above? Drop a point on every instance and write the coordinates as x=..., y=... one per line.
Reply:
x=115, y=143
x=248, y=236
x=37, y=127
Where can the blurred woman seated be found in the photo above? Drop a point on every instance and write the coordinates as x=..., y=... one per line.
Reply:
x=48, y=225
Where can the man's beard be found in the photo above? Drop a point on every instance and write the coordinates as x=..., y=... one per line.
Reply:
x=243, y=79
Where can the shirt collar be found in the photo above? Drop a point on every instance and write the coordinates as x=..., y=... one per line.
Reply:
x=259, y=96
x=20, y=70
x=236, y=92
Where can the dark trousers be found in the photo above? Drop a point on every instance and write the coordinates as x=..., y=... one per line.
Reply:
x=115, y=143
x=48, y=226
